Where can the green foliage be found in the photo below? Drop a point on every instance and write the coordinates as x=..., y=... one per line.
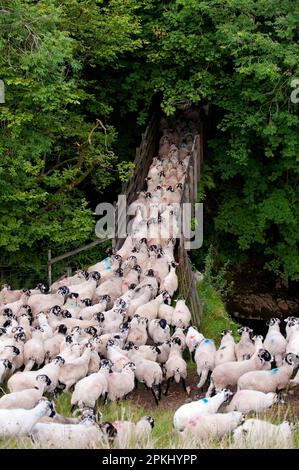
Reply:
x=215, y=317
x=242, y=56
x=53, y=143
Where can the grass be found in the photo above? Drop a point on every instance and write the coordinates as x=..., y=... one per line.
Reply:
x=215, y=317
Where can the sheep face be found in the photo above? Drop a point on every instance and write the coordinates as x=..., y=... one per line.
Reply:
x=273, y=321
x=44, y=379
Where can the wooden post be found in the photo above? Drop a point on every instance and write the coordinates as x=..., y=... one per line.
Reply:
x=49, y=267
x=68, y=271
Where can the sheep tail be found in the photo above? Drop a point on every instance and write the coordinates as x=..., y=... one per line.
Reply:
x=203, y=378
x=177, y=375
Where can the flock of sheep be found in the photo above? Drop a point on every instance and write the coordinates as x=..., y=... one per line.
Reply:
x=100, y=332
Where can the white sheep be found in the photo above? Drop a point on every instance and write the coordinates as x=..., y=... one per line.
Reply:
x=193, y=337
x=275, y=342
x=89, y=389
x=175, y=366
x=129, y=432
x=149, y=373
x=269, y=380
x=230, y=372
x=18, y=422
x=252, y=400
x=181, y=317
x=256, y=433
x=85, y=434
x=245, y=348
x=34, y=352
x=24, y=380
x=72, y=372
x=226, y=351
x=205, y=360
x=211, y=426
x=159, y=331
x=28, y=398
x=189, y=411
x=121, y=384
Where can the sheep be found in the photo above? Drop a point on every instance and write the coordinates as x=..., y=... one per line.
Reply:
x=165, y=312
x=147, y=352
x=179, y=333
x=89, y=389
x=5, y=366
x=129, y=432
x=256, y=433
x=229, y=372
x=73, y=371
x=149, y=278
x=175, y=366
x=226, y=351
x=34, y=352
x=245, y=348
x=258, y=341
x=18, y=422
x=151, y=308
x=148, y=372
x=292, y=324
x=85, y=434
x=111, y=287
x=252, y=400
x=47, y=300
x=118, y=357
x=24, y=380
x=26, y=399
x=87, y=288
x=10, y=352
x=87, y=313
x=211, y=426
x=205, y=360
x=52, y=345
x=189, y=411
x=193, y=337
x=121, y=384
x=275, y=342
x=144, y=294
x=65, y=281
x=269, y=380
x=181, y=317
x=170, y=282
x=159, y=331
x=7, y=295
x=293, y=342
x=164, y=349
x=138, y=331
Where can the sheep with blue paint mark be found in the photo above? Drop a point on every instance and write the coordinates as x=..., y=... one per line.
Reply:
x=269, y=380
x=192, y=410
x=205, y=360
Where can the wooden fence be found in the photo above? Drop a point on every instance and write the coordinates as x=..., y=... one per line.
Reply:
x=187, y=280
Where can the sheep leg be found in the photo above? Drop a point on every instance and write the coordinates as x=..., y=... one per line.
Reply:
x=210, y=389
x=155, y=396
x=192, y=355
x=105, y=398
x=167, y=386
x=184, y=384
x=159, y=391
x=136, y=383
x=73, y=408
